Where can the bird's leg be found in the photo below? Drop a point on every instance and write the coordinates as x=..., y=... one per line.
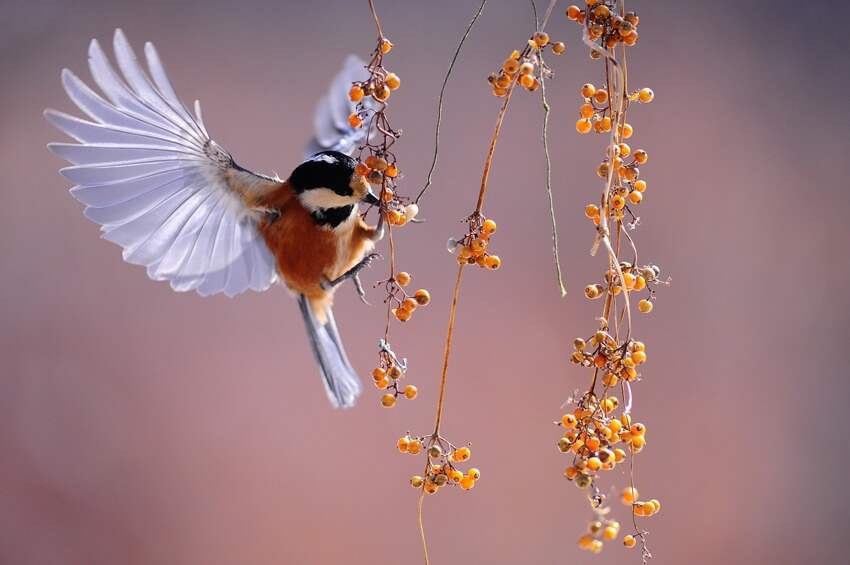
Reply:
x=379, y=228
x=352, y=274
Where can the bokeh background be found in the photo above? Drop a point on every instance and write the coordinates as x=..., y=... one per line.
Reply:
x=140, y=426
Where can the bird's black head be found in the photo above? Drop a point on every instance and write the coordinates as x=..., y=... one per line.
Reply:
x=328, y=187
x=328, y=169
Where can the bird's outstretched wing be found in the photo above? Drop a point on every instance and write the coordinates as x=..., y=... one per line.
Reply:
x=150, y=175
x=330, y=120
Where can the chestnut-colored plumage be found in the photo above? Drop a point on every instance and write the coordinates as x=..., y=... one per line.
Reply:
x=307, y=253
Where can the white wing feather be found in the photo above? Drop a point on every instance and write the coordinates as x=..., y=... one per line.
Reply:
x=150, y=175
x=332, y=131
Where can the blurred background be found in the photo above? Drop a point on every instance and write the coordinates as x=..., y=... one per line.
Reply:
x=141, y=426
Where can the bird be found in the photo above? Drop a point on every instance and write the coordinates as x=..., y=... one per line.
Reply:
x=177, y=202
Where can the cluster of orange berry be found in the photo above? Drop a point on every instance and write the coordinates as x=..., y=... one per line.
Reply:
x=388, y=373
x=405, y=304
x=380, y=169
x=599, y=530
x=616, y=362
x=645, y=508
x=379, y=86
x=605, y=25
x=472, y=248
x=440, y=468
x=634, y=278
x=526, y=66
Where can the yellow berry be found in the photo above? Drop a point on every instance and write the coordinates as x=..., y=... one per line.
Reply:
x=645, y=306
x=594, y=463
x=639, y=357
x=526, y=69
x=569, y=421
x=410, y=392
x=609, y=533
x=640, y=185
x=467, y=483
x=629, y=541
x=635, y=196
x=492, y=262
x=618, y=202
x=416, y=481
x=476, y=474
x=462, y=454
x=646, y=95
x=388, y=400
x=402, y=444
x=392, y=81
x=403, y=278
x=386, y=46
x=627, y=131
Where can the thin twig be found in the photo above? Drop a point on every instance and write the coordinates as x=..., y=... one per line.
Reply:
x=377, y=19
x=555, y=250
x=440, y=100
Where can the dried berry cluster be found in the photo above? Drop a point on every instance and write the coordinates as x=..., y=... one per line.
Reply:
x=599, y=431
x=441, y=466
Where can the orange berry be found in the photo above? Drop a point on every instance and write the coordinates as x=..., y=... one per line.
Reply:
x=356, y=93
x=641, y=157
x=645, y=306
x=601, y=96
x=586, y=110
x=402, y=314
x=526, y=69
x=559, y=48
x=354, y=120
x=462, y=454
x=573, y=12
x=618, y=202
x=361, y=169
x=392, y=81
x=527, y=81
x=492, y=262
x=588, y=90
x=402, y=444
x=386, y=46
x=640, y=185
x=403, y=278
x=467, y=483
x=541, y=38
x=569, y=421
x=591, y=211
x=510, y=66
x=629, y=541
x=627, y=131
x=635, y=196
x=378, y=374
x=422, y=297
x=629, y=495
x=382, y=383
x=388, y=400
x=410, y=392
x=583, y=126
x=392, y=171
x=646, y=95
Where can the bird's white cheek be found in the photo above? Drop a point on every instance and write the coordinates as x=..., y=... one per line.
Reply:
x=324, y=198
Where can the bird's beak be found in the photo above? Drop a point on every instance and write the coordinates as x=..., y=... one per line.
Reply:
x=370, y=198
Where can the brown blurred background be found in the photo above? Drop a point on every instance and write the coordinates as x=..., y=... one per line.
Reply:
x=140, y=426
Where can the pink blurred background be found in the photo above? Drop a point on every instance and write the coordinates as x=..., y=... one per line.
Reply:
x=140, y=426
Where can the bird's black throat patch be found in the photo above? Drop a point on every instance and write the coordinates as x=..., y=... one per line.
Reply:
x=332, y=217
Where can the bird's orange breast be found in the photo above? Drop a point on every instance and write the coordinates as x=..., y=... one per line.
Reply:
x=308, y=254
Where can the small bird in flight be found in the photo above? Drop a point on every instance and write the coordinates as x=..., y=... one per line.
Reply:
x=177, y=203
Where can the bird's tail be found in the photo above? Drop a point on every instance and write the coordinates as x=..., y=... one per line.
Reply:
x=341, y=382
